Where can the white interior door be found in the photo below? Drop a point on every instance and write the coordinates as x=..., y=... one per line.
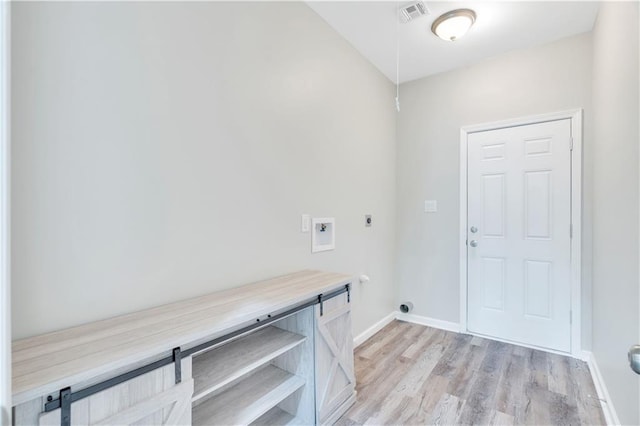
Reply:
x=519, y=243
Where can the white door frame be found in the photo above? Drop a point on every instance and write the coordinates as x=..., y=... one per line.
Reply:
x=5, y=287
x=576, y=213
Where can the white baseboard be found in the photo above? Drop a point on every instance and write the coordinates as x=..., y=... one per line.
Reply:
x=610, y=415
x=431, y=322
x=585, y=356
x=416, y=319
x=362, y=337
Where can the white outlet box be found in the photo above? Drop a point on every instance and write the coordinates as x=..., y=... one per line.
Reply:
x=323, y=234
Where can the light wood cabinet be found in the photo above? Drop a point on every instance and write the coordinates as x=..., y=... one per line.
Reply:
x=150, y=399
x=335, y=379
x=292, y=364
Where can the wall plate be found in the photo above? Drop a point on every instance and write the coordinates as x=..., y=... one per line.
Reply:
x=305, y=221
x=323, y=234
x=430, y=206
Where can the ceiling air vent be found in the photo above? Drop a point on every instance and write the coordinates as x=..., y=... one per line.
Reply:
x=412, y=11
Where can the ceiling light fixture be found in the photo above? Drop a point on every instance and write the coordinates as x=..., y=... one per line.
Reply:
x=454, y=24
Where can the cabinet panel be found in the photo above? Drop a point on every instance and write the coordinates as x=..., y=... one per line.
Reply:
x=335, y=379
x=152, y=398
x=300, y=361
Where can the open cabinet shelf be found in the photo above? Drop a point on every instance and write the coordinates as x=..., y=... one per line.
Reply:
x=277, y=417
x=272, y=375
x=249, y=399
x=223, y=365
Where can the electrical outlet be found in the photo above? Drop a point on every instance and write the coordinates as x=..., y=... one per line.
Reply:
x=430, y=206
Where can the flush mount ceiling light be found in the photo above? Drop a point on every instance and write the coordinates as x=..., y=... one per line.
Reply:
x=453, y=25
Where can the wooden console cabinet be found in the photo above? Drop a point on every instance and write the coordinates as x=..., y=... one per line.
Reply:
x=270, y=353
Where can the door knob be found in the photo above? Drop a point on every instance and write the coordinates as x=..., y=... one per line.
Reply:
x=634, y=358
x=474, y=229
x=474, y=243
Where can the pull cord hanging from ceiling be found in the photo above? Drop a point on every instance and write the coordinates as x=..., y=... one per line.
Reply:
x=398, y=57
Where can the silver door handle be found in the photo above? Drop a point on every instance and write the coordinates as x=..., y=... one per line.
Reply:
x=634, y=358
x=474, y=229
x=473, y=243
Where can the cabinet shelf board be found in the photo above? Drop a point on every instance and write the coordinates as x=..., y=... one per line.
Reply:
x=225, y=364
x=277, y=417
x=248, y=399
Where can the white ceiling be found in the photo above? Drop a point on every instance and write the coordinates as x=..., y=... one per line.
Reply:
x=501, y=26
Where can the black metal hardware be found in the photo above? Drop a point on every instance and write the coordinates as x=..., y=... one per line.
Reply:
x=67, y=397
x=335, y=293
x=177, y=360
x=247, y=329
x=65, y=407
x=348, y=293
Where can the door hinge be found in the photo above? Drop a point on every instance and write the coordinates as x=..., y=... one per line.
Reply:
x=571, y=230
x=570, y=317
x=571, y=144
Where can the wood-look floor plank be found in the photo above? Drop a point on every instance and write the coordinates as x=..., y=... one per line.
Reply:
x=479, y=341
x=499, y=418
x=583, y=391
x=380, y=339
x=427, y=399
x=511, y=388
x=388, y=356
x=452, y=358
x=558, y=374
x=447, y=411
x=408, y=374
x=521, y=351
x=481, y=396
x=460, y=383
x=381, y=378
x=416, y=348
x=345, y=421
x=396, y=403
x=538, y=368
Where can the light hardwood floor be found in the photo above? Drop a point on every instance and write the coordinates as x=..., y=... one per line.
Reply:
x=408, y=374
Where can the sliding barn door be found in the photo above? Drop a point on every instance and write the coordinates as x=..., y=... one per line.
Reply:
x=335, y=379
x=150, y=399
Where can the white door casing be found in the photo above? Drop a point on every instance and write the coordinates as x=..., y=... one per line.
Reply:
x=5, y=293
x=522, y=280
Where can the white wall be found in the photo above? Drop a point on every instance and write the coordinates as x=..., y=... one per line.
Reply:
x=616, y=322
x=166, y=150
x=544, y=79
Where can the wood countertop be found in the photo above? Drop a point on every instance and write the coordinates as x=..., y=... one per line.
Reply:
x=49, y=362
